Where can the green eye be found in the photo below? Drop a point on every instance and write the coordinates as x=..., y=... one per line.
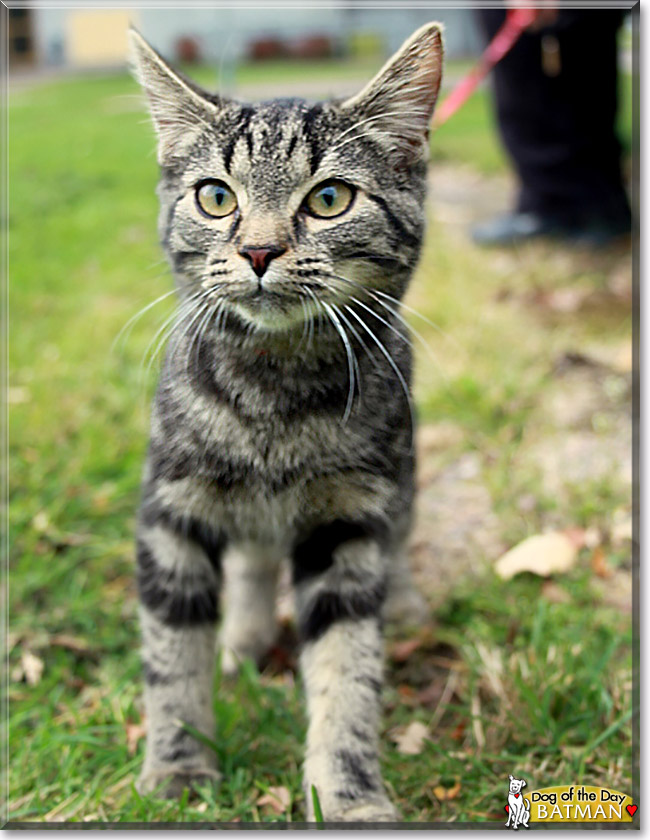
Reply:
x=331, y=198
x=216, y=198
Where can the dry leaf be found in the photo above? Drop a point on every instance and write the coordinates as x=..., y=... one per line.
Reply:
x=73, y=643
x=134, y=732
x=459, y=732
x=401, y=651
x=41, y=522
x=32, y=667
x=543, y=554
x=444, y=793
x=406, y=692
x=599, y=564
x=410, y=739
x=276, y=799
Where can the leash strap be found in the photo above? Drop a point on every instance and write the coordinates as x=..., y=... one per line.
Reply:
x=517, y=20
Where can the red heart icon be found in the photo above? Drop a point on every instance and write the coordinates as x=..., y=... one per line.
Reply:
x=631, y=809
x=507, y=808
x=516, y=796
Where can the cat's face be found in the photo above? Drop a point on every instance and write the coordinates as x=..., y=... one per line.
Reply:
x=282, y=210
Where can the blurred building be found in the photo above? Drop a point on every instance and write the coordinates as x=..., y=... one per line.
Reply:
x=79, y=38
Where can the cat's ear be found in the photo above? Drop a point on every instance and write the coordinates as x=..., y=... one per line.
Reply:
x=399, y=101
x=178, y=110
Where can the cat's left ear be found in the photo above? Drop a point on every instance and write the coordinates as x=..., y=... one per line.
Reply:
x=178, y=109
x=399, y=101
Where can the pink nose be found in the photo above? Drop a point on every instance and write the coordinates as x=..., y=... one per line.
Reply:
x=260, y=258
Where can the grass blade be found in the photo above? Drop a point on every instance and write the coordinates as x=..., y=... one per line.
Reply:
x=318, y=814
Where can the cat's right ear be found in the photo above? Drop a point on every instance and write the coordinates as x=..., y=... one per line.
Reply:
x=179, y=112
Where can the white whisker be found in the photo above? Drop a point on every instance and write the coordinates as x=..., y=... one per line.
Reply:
x=126, y=329
x=392, y=363
x=349, y=352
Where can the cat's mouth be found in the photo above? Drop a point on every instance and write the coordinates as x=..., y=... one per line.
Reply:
x=268, y=308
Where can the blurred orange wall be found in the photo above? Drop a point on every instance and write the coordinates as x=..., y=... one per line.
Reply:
x=97, y=38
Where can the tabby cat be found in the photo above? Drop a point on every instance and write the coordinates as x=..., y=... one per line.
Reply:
x=282, y=425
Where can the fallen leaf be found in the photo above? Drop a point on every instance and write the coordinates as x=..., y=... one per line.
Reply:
x=543, y=555
x=444, y=793
x=134, y=733
x=410, y=739
x=459, y=732
x=277, y=799
x=401, y=651
x=73, y=643
x=406, y=692
x=202, y=807
x=41, y=522
x=32, y=667
x=599, y=564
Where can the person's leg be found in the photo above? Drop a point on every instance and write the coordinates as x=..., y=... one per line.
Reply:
x=560, y=130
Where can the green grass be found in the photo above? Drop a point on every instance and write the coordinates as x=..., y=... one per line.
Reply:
x=540, y=689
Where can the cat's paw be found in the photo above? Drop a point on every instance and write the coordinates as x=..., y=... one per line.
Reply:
x=406, y=607
x=374, y=810
x=169, y=782
x=336, y=808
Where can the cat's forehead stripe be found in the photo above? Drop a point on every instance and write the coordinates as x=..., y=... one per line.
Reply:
x=273, y=131
x=239, y=131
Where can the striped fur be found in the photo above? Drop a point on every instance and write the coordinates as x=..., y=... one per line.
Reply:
x=282, y=426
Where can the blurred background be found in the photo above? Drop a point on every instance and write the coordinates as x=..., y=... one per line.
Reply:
x=83, y=38
x=523, y=390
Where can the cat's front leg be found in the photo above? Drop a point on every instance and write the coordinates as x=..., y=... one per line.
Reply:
x=340, y=585
x=249, y=626
x=178, y=581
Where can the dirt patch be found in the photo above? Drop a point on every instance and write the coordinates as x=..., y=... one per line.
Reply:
x=456, y=532
x=460, y=196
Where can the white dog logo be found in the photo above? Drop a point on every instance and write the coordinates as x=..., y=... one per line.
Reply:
x=518, y=807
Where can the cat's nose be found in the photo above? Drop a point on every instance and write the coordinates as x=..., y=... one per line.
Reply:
x=261, y=257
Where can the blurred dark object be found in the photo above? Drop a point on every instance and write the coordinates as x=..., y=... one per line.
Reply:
x=20, y=40
x=311, y=47
x=188, y=50
x=559, y=129
x=264, y=49
x=316, y=46
x=511, y=228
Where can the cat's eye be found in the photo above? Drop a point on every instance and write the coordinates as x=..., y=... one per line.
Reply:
x=216, y=198
x=329, y=199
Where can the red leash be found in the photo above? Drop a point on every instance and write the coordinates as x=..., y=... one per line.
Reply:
x=517, y=20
